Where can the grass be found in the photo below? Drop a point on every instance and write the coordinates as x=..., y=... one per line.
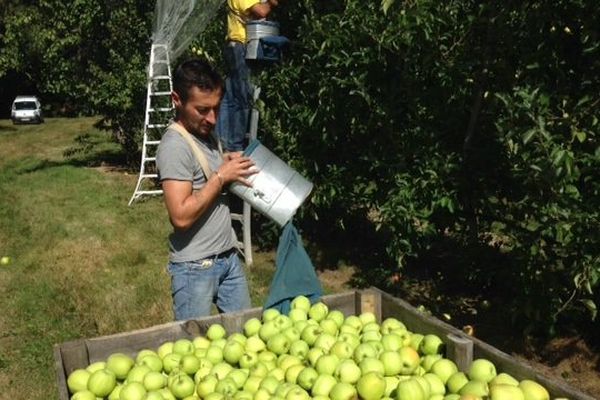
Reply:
x=84, y=264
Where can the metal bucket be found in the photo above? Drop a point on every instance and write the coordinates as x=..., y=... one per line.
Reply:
x=277, y=190
x=261, y=28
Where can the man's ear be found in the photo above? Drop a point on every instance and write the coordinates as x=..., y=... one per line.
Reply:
x=176, y=99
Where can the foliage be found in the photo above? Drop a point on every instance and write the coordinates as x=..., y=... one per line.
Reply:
x=459, y=121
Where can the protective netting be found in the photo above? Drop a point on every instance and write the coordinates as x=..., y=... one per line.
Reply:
x=178, y=22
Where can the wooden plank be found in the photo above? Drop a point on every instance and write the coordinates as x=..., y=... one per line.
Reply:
x=460, y=350
x=61, y=376
x=370, y=301
x=344, y=302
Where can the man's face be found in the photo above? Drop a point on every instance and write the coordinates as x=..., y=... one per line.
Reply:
x=199, y=113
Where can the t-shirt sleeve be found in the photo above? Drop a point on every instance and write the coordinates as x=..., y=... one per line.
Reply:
x=173, y=159
x=245, y=5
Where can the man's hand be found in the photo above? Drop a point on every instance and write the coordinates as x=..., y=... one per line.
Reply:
x=232, y=155
x=236, y=169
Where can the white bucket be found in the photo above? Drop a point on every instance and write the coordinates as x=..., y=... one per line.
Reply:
x=277, y=190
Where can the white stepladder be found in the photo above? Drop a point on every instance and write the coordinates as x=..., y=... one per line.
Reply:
x=245, y=220
x=159, y=109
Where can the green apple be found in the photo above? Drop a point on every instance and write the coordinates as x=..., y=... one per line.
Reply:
x=424, y=385
x=214, y=354
x=239, y=376
x=415, y=340
x=456, y=381
x=436, y=384
x=428, y=360
x=252, y=383
x=475, y=388
x=376, y=345
x=391, y=383
x=431, y=344
x=371, y=326
x=270, y=314
x=216, y=331
x=221, y=370
x=313, y=355
x=342, y=350
x=143, y=353
x=259, y=369
x=189, y=364
x=327, y=364
x=215, y=396
x=154, y=381
x=299, y=349
x=77, y=380
x=166, y=394
x=354, y=322
x=410, y=389
x=262, y=394
x=482, y=370
x=371, y=336
x=346, y=328
x=300, y=303
x=504, y=379
x=506, y=392
x=182, y=386
x=318, y=311
x=329, y=326
x=292, y=333
x=270, y=384
x=369, y=364
x=96, y=366
x=297, y=315
x=119, y=364
x=410, y=360
x=268, y=330
x=391, y=342
x=371, y=386
x=206, y=386
x=170, y=362
x=531, y=390
x=116, y=392
x=84, y=395
x=337, y=316
x=343, y=391
x=362, y=351
x=227, y=387
x=279, y=344
x=279, y=373
x=205, y=368
x=252, y=327
x=392, y=363
x=311, y=333
x=390, y=324
x=248, y=360
x=132, y=391
x=5, y=260
x=323, y=385
x=348, y=372
x=452, y=396
x=367, y=317
x=152, y=361
x=325, y=341
x=220, y=343
x=291, y=374
x=444, y=368
x=201, y=342
x=164, y=349
x=255, y=344
x=307, y=377
x=300, y=325
x=283, y=322
x=156, y=395
x=350, y=338
x=233, y=351
x=183, y=346
x=297, y=393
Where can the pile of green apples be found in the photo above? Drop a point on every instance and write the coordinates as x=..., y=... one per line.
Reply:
x=310, y=353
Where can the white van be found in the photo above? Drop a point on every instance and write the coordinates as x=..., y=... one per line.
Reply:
x=26, y=109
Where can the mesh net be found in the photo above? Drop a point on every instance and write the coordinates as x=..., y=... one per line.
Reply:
x=177, y=23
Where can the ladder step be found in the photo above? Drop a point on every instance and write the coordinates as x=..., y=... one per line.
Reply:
x=237, y=217
x=150, y=159
x=161, y=62
x=149, y=176
x=154, y=126
x=158, y=191
x=160, y=109
x=160, y=93
x=153, y=142
x=161, y=77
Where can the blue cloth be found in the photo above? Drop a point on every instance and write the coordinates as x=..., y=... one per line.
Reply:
x=295, y=274
x=271, y=48
x=234, y=112
x=196, y=285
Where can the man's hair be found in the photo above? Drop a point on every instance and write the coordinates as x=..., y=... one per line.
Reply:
x=197, y=73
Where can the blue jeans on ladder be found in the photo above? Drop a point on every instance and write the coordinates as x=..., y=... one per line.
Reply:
x=196, y=285
x=234, y=113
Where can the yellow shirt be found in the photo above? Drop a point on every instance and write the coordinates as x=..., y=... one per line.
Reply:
x=238, y=14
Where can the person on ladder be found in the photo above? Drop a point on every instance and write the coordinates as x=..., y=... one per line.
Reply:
x=203, y=264
x=235, y=108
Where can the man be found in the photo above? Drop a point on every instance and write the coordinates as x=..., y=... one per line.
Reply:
x=203, y=264
x=235, y=109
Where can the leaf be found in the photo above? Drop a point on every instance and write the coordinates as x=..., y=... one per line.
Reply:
x=527, y=136
x=591, y=306
x=385, y=5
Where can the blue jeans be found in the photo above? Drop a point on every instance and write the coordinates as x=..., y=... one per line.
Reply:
x=196, y=285
x=234, y=112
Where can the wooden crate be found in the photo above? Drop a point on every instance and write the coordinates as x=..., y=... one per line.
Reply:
x=461, y=348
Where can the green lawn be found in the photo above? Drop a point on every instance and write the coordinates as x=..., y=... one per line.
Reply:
x=84, y=264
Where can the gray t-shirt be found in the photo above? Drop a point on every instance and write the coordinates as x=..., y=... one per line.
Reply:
x=212, y=233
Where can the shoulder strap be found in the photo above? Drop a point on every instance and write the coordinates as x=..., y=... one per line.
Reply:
x=200, y=156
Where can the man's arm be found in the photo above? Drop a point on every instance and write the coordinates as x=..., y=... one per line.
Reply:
x=185, y=206
x=262, y=10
